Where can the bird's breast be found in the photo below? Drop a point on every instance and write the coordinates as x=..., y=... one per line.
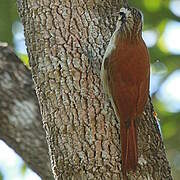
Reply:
x=129, y=61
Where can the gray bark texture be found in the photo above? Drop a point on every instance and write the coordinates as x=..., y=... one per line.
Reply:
x=66, y=41
x=20, y=121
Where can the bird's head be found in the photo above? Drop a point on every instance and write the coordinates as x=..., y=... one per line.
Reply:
x=129, y=21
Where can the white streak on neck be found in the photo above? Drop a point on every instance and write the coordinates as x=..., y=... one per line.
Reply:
x=111, y=46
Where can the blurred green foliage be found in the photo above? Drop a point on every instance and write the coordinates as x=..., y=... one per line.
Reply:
x=156, y=16
x=24, y=59
x=8, y=14
x=1, y=176
x=23, y=168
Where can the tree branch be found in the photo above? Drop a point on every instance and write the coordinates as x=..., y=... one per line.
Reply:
x=21, y=126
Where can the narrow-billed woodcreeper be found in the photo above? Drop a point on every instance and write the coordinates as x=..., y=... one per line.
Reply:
x=125, y=75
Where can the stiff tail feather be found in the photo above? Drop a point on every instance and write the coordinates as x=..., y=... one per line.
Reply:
x=129, y=148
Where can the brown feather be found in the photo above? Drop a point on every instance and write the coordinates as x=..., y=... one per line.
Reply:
x=127, y=71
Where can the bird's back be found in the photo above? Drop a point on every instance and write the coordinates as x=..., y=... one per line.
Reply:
x=128, y=74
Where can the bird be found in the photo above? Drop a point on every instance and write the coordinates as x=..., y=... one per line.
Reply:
x=125, y=75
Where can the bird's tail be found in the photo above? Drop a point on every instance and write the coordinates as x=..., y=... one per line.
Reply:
x=129, y=147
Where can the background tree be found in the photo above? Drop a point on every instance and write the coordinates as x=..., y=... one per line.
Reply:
x=91, y=54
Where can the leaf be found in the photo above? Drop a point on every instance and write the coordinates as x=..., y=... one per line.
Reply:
x=23, y=169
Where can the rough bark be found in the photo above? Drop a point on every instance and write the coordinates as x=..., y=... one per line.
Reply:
x=20, y=120
x=66, y=41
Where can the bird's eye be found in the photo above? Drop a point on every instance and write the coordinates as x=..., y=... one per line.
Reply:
x=123, y=16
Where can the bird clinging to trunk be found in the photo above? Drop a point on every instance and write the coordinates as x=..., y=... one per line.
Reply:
x=125, y=74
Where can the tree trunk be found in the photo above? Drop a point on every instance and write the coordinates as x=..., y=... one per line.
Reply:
x=21, y=126
x=66, y=41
